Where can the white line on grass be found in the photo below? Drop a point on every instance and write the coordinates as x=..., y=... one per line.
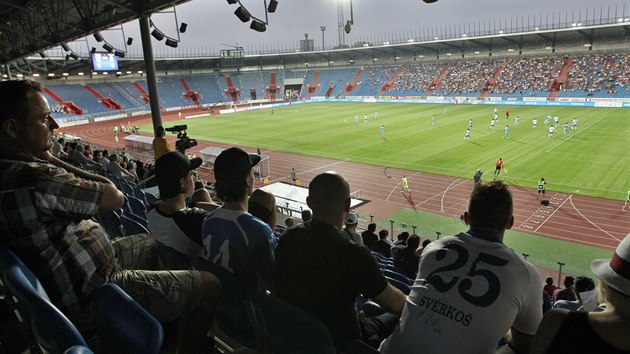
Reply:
x=572, y=135
x=550, y=215
x=592, y=223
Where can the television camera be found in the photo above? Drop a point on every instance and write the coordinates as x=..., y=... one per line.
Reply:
x=183, y=142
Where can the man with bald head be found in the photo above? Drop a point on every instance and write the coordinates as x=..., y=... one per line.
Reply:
x=323, y=273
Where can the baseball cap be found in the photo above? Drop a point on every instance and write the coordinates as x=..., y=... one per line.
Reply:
x=352, y=218
x=173, y=165
x=234, y=164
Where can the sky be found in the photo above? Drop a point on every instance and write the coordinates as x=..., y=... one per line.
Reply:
x=212, y=26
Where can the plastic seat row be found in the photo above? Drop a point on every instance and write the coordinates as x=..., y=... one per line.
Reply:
x=121, y=322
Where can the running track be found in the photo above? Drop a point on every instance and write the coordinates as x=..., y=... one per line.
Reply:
x=569, y=217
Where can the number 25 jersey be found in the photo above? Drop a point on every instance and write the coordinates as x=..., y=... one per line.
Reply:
x=468, y=293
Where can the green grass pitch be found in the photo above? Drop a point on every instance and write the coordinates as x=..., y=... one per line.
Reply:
x=592, y=160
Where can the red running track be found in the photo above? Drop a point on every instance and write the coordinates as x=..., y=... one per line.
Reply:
x=569, y=217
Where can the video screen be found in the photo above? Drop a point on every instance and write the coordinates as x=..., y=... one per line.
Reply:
x=104, y=62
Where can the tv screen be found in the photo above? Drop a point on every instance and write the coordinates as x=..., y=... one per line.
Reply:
x=104, y=62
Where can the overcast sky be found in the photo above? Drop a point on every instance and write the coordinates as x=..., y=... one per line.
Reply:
x=213, y=26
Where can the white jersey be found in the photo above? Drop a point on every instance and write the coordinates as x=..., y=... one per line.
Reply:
x=468, y=293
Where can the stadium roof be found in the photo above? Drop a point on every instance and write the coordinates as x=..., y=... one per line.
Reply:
x=28, y=27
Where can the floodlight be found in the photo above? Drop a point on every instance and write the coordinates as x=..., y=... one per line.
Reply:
x=242, y=14
x=171, y=42
x=258, y=26
x=98, y=37
x=183, y=27
x=231, y=2
x=129, y=41
x=119, y=53
x=74, y=56
x=108, y=47
x=157, y=34
x=65, y=46
x=273, y=4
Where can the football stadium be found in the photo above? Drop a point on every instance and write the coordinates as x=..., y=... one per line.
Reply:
x=421, y=129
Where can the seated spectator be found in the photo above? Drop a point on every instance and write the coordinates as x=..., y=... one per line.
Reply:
x=472, y=290
x=369, y=236
x=583, y=289
x=289, y=222
x=104, y=161
x=406, y=259
x=47, y=207
x=306, y=216
x=57, y=148
x=116, y=170
x=173, y=224
x=320, y=272
x=349, y=232
x=384, y=244
x=425, y=243
x=568, y=293
x=77, y=157
x=549, y=287
x=400, y=243
x=232, y=238
x=262, y=205
x=563, y=331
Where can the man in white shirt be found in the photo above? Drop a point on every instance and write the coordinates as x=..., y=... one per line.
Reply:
x=472, y=290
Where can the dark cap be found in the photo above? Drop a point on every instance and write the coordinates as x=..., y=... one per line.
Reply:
x=173, y=165
x=584, y=283
x=234, y=164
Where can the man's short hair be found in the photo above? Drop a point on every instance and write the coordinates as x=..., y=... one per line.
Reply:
x=372, y=227
x=413, y=242
x=490, y=206
x=231, y=169
x=383, y=234
x=15, y=95
x=568, y=281
x=170, y=168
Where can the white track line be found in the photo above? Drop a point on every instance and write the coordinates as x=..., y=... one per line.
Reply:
x=572, y=135
x=311, y=170
x=444, y=193
x=592, y=223
x=441, y=193
x=550, y=215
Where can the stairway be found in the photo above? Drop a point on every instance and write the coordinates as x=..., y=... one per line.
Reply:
x=390, y=83
x=352, y=85
x=561, y=79
x=437, y=82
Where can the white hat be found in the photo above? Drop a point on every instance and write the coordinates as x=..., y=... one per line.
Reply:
x=616, y=272
x=352, y=218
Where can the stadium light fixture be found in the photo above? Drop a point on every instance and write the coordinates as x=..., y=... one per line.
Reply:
x=80, y=74
x=98, y=37
x=258, y=26
x=273, y=4
x=171, y=42
x=242, y=14
x=157, y=34
x=74, y=56
x=119, y=53
x=129, y=41
x=65, y=46
x=183, y=27
x=108, y=47
x=430, y=1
